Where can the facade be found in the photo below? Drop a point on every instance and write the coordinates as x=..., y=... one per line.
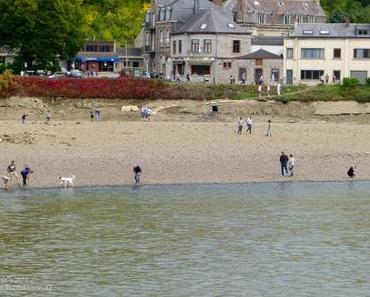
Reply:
x=327, y=50
x=205, y=47
x=105, y=56
x=260, y=64
x=275, y=17
x=163, y=18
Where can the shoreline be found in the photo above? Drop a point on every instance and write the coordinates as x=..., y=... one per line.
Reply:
x=142, y=185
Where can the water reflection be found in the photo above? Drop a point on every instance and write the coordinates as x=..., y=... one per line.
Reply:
x=296, y=239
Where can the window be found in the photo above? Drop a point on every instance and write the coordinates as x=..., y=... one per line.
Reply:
x=168, y=13
x=203, y=26
x=286, y=19
x=180, y=46
x=195, y=45
x=174, y=47
x=259, y=62
x=162, y=14
x=261, y=18
x=307, y=32
x=207, y=45
x=336, y=74
x=337, y=53
x=147, y=38
x=289, y=53
x=227, y=65
x=167, y=36
x=201, y=69
x=91, y=48
x=104, y=48
x=135, y=64
x=362, y=32
x=236, y=46
x=231, y=26
x=311, y=74
x=147, y=17
x=161, y=36
x=312, y=53
x=361, y=53
x=324, y=32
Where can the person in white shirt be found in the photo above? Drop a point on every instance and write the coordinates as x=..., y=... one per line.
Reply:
x=278, y=88
x=240, y=125
x=249, y=125
x=291, y=165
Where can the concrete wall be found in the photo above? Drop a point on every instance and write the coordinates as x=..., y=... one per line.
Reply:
x=328, y=64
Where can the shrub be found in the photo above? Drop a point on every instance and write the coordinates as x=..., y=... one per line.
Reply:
x=6, y=83
x=368, y=82
x=349, y=82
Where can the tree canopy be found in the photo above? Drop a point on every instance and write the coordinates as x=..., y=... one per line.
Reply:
x=339, y=11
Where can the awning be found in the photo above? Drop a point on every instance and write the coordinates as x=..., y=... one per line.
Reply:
x=199, y=62
x=97, y=59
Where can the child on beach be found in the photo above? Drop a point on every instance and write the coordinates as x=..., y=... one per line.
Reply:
x=249, y=124
x=269, y=128
x=291, y=165
x=47, y=117
x=351, y=171
x=12, y=171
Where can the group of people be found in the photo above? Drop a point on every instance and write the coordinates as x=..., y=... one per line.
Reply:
x=95, y=113
x=248, y=124
x=287, y=164
x=13, y=175
x=326, y=78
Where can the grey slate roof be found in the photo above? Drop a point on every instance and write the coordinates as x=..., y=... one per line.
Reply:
x=260, y=54
x=335, y=30
x=291, y=7
x=216, y=21
x=268, y=40
x=131, y=51
x=183, y=9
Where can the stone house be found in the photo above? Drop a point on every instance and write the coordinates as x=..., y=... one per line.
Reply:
x=164, y=17
x=206, y=46
x=274, y=17
x=329, y=50
x=259, y=64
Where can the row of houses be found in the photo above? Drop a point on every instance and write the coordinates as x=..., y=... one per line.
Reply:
x=237, y=40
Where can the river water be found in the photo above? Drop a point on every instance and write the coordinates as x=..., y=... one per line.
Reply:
x=273, y=239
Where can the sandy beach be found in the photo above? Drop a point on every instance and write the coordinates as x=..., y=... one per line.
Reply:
x=184, y=142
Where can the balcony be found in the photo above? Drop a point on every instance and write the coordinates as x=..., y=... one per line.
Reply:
x=199, y=54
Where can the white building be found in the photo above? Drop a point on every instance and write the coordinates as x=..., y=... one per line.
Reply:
x=327, y=50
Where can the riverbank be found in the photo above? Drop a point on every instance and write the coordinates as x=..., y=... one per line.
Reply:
x=185, y=143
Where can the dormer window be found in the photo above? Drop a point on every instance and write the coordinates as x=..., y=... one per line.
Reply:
x=307, y=32
x=231, y=26
x=203, y=26
x=281, y=3
x=362, y=32
x=324, y=32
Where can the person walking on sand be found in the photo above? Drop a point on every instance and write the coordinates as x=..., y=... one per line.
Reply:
x=97, y=114
x=12, y=170
x=284, y=163
x=47, y=117
x=291, y=165
x=23, y=118
x=91, y=114
x=269, y=129
x=26, y=172
x=249, y=124
x=240, y=125
x=137, y=173
x=351, y=171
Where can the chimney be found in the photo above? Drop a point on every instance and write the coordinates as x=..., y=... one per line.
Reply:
x=196, y=6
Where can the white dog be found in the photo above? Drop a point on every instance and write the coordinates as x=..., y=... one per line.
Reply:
x=66, y=180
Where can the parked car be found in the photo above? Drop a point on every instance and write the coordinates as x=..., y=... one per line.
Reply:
x=76, y=73
x=57, y=74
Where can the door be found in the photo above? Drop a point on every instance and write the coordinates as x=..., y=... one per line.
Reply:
x=258, y=73
x=289, y=77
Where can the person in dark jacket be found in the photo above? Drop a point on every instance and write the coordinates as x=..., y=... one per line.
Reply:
x=351, y=171
x=284, y=163
x=26, y=172
x=137, y=172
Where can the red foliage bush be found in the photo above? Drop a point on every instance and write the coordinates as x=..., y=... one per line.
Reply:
x=66, y=87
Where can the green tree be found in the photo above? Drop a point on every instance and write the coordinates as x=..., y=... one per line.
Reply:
x=42, y=31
